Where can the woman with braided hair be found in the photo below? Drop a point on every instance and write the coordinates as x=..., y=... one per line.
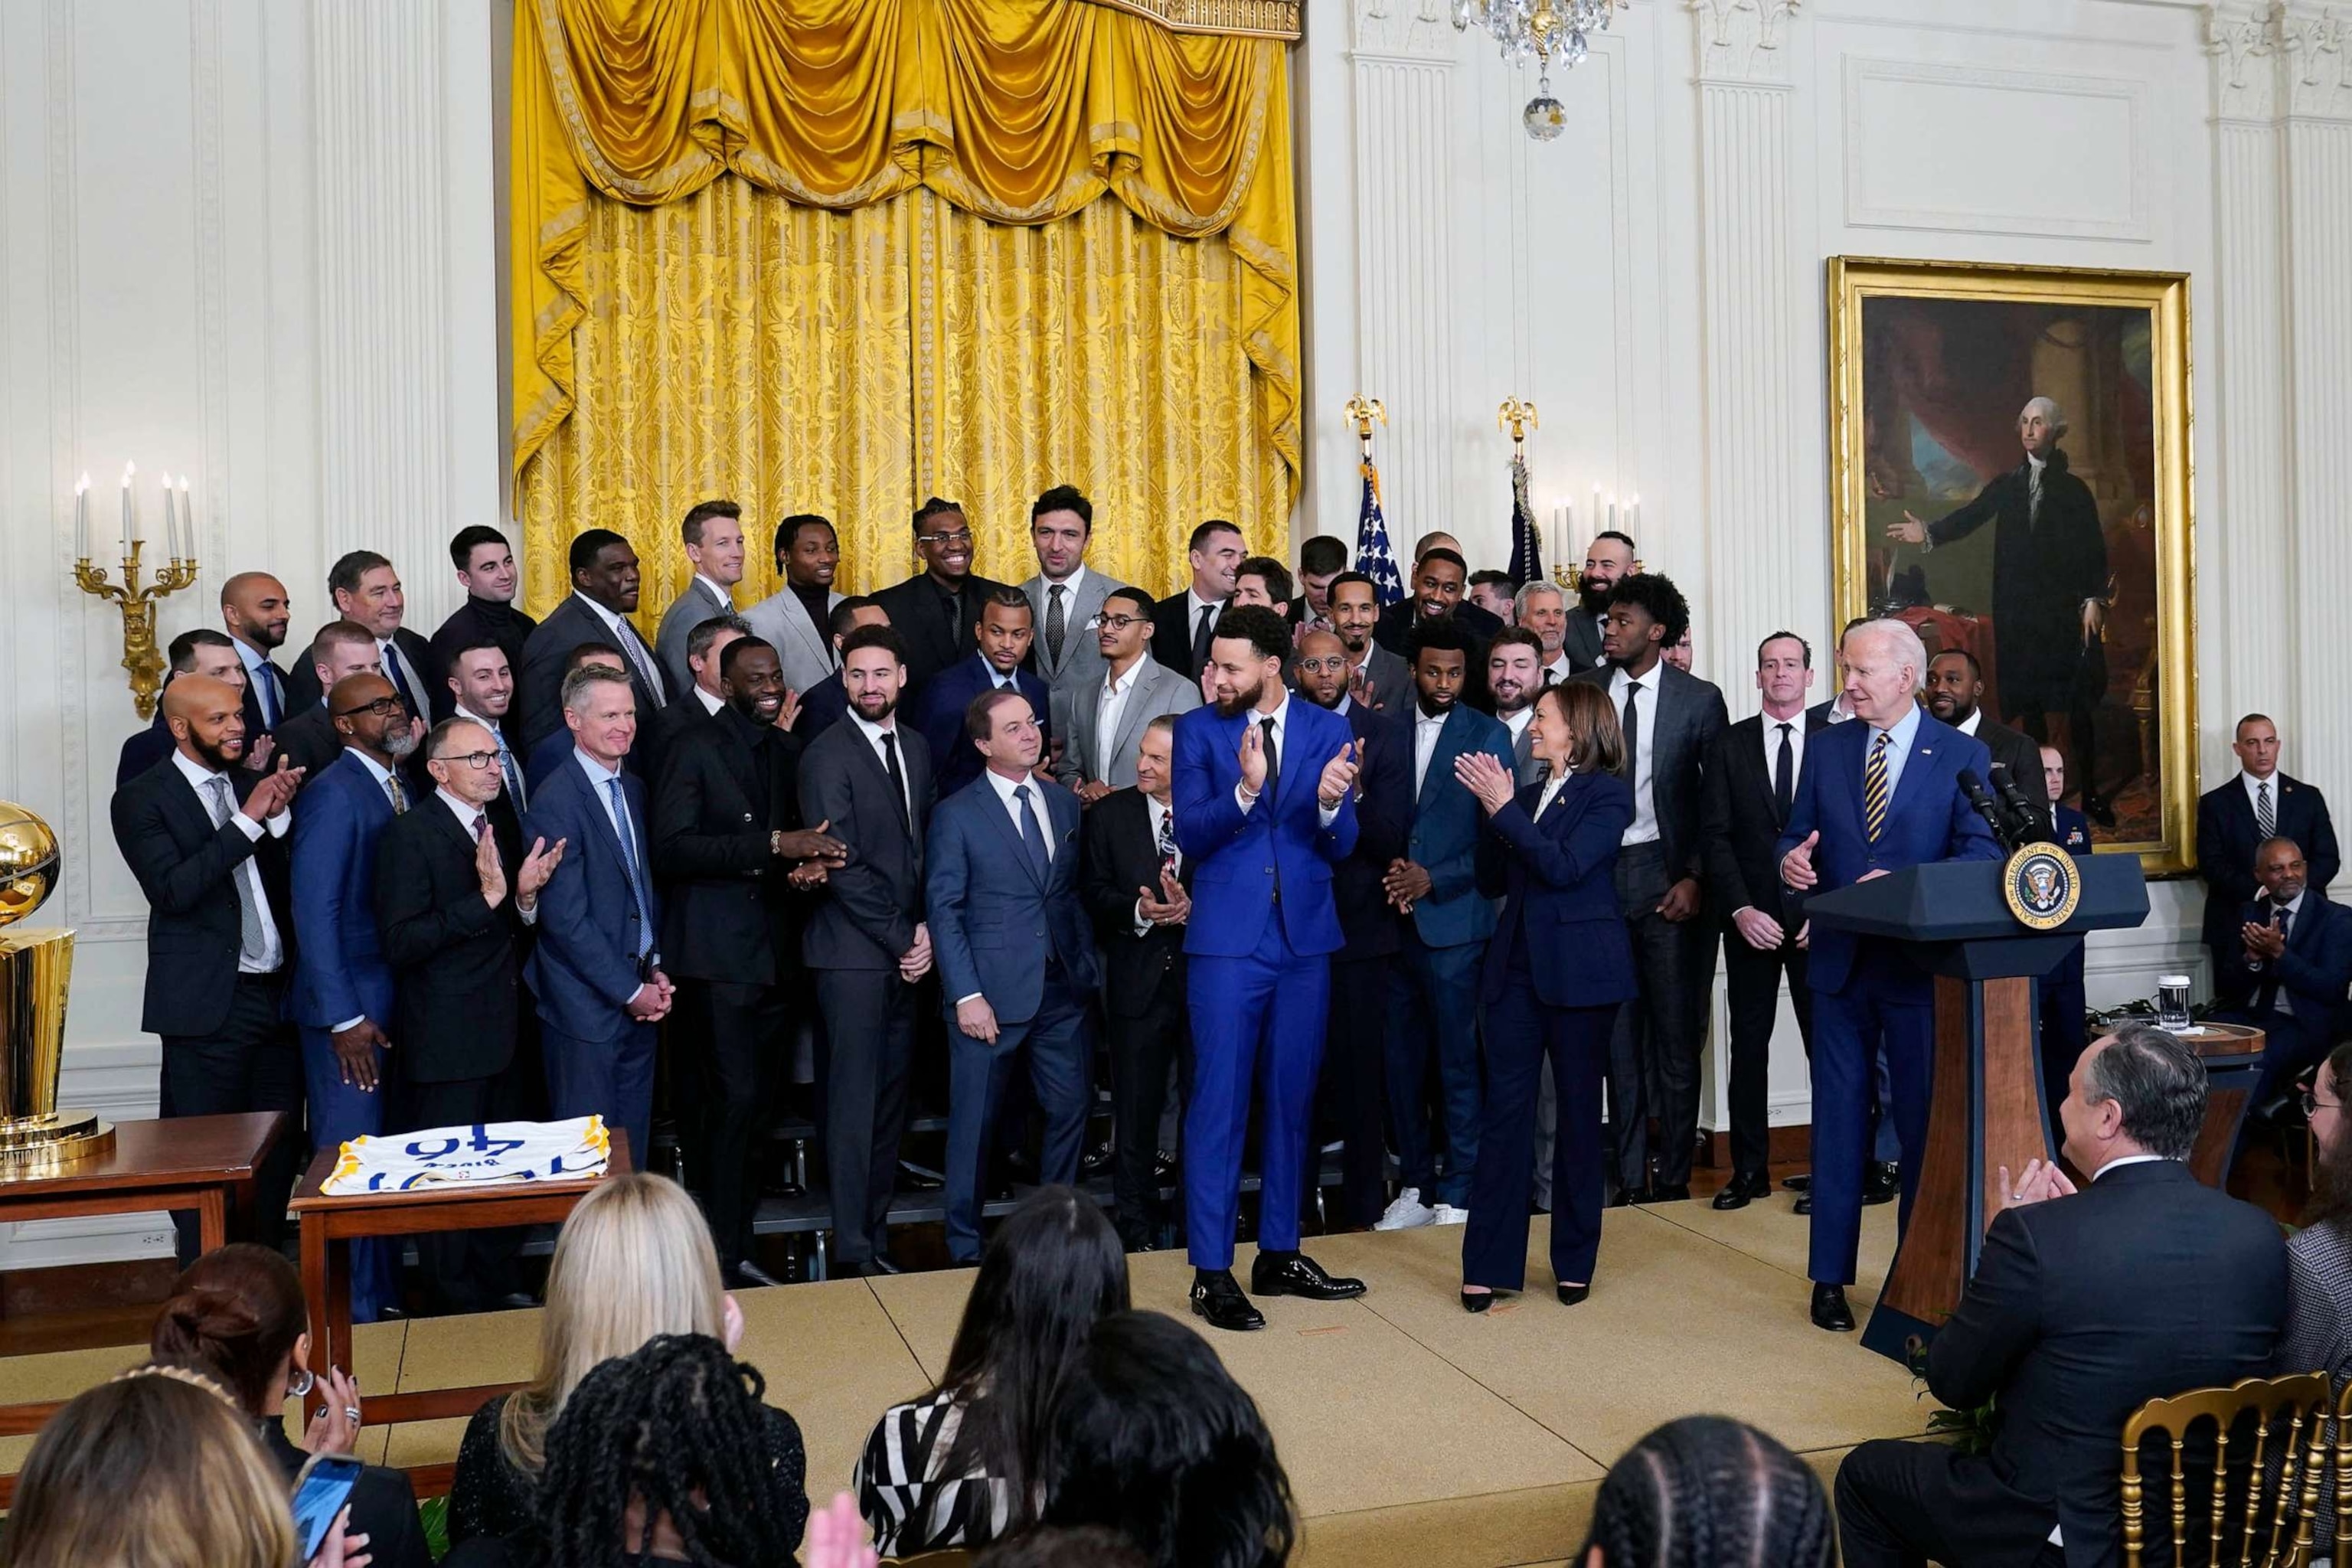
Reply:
x=1707, y=1491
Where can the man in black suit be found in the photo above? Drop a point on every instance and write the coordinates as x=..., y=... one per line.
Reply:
x=1181, y=623
x=604, y=585
x=483, y=685
x=936, y=611
x=455, y=898
x=1138, y=886
x=365, y=590
x=308, y=738
x=486, y=570
x=2075, y=1318
x=1955, y=695
x=727, y=841
x=1351, y=1093
x=1377, y=679
x=2233, y=819
x=701, y=700
x=207, y=839
x=255, y=612
x=1435, y=593
x=1750, y=785
x=1671, y=722
x=823, y=705
x=868, y=779
x=1611, y=558
x=200, y=652
x=2292, y=969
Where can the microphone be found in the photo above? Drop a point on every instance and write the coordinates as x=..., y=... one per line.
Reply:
x=2022, y=812
x=1985, y=808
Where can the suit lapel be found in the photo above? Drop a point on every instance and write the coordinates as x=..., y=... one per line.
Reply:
x=1926, y=756
x=993, y=806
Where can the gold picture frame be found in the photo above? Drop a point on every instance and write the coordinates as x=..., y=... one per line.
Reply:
x=1931, y=367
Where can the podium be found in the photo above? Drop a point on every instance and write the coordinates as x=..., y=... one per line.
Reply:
x=1985, y=1108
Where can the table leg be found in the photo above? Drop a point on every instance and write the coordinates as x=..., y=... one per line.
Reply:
x=212, y=1219
x=315, y=1291
x=339, y=1304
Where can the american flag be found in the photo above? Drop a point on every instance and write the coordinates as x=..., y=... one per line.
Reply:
x=1374, y=559
x=1526, y=541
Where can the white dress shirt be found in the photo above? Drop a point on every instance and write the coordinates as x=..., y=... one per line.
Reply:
x=726, y=599
x=1968, y=725
x=1552, y=786
x=1517, y=723
x=1193, y=605
x=199, y=777
x=633, y=648
x=873, y=733
x=1796, y=723
x=1110, y=709
x=2253, y=785
x=1644, y=826
x=1426, y=732
x=710, y=705
x=1559, y=668
x=1281, y=718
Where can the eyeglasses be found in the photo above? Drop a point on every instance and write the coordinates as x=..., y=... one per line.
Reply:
x=2312, y=1103
x=474, y=760
x=382, y=708
x=1116, y=623
x=1330, y=664
x=961, y=536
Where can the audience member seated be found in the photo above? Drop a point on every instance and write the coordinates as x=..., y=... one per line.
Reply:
x=2290, y=971
x=1706, y=1491
x=238, y=1316
x=958, y=1466
x=1153, y=1438
x=2084, y=1306
x=157, y=1469
x=1084, y=1546
x=635, y=1260
x=666, y=1454
x=2319, y=1255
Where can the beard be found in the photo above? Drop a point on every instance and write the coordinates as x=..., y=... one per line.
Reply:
x=1242, y=702
x=399, y=742
x=218, y=755
x=883, y=708
x=1594, y=600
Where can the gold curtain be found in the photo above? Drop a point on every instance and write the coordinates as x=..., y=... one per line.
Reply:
x=751, y=259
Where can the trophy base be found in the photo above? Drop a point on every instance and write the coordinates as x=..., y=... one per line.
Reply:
x=36, y=1145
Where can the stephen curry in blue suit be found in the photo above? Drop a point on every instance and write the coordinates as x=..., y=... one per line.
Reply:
x=1004, y=636
x=1876, y=796
x=342, y=987
x=595, y=972
x=1015, y=951
x=1266, y=805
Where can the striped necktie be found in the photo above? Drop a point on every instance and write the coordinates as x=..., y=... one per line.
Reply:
x=1874, y=787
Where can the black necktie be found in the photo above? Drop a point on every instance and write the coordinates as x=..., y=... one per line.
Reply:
x=954, y=603
x=1784, y=776
x=1273, y=754
x=897, y=780
x=1056, y=627
x=1201, y=639
x=1632, y=728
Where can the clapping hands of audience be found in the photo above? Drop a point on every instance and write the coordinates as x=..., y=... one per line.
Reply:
x=335, y=1429
x=274, y=791
x=1170, y=907
x=1340, y=775
x=2043, y=1180
x=536, y=868
x=1486, y=779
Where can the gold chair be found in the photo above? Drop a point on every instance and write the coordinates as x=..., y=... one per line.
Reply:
x=2292, y=1410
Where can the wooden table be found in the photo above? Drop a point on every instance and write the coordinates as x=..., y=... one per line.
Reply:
x=330, y=1224
x=2232, y=1055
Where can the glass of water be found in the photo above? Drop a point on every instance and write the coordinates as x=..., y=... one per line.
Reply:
x=2172, y=1002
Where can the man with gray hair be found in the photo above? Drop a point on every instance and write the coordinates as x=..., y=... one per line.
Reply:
x=2049, y=590
x=2083, y=1306
x=1542, y=608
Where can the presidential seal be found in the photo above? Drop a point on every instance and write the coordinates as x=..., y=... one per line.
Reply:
x=2042, y=885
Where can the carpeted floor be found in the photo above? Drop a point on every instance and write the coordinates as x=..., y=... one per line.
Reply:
x=1414, y=1434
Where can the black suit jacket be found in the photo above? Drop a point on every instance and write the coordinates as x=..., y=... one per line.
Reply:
x=1393, y=630
x=308, y=741
x=147, y=747
x=254, y=727
x=1582, y=641
x=1372, y=929
x=869, y=909
x=184, y=865
x=1743, y=826
x=2145, y=1284
x=455, y=961
x=1679, y=730
x=2316, y=970
x=685, y=713
x=302, y=683
x=822, y=706
x=2022, y=755
x=539, y=681
x=729, y=911
x=2227, y=839
x=1118, y=857
x=918, y=615
x=1172, y=633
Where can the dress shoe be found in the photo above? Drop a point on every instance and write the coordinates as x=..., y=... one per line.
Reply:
x=1805, y=1204
x=750, y=1275
x=1096, y=1160
x=914, y=1178
x=1667, y=1193
x=1883, y=1183
x=1218, y=1297
x=1295, y=1274
x=517, y=1302
x=1800, y=1183
x=1620, y=1198
x=1477, y=1301
x=1163, y=1168
x=1569, y=1295
x=881, y=1263
x=1740, y=1191
x=1830, y=1310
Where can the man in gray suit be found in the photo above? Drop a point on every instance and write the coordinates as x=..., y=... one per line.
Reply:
x=1376, y=677
x=1609, y=560
x=1066, y=597
x=798, y=617
x=713, y=533
x=1107, y=719
x=1515, y=680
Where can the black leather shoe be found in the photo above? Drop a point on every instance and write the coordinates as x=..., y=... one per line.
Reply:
x=1667, y=1193
x=1095, y=1161
x=1743, y=1190
x=1830, y=1310
x=1163, y=1168
x=1569, y=1295
x=1218, y=1297
x=1295, y=1274
x=1800, y=1183
x=1805, y=1204
x=517, y=1302
x=750, y=1275
x=1618, y=1199
x=1477, y=1301
x=1884, y=1184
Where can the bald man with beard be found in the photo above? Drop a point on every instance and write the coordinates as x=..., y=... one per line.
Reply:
x=256, y=612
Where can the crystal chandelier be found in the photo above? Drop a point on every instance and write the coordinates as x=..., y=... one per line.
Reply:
x=1548, y=32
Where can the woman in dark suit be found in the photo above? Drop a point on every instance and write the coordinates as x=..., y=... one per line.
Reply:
x=1556, y=968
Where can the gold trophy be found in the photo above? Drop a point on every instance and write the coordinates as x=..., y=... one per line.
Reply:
x=35, y=966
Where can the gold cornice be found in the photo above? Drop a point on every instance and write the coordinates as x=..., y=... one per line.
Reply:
x=1248, y=19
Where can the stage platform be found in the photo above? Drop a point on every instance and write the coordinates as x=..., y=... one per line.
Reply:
x=1415, y=1434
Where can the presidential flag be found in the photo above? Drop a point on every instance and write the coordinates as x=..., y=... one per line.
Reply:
x=1374, y=559
x=1526, y=544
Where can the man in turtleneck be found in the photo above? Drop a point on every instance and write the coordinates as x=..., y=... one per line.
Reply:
x=486, y=568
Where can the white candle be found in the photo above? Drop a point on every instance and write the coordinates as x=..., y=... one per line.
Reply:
x=170, y=523
x=1612, y=514
x=1634, y=518
x=81, y=518
x=1596, y=509
x=1559, y=534
x=128, y=528
x=187, y=522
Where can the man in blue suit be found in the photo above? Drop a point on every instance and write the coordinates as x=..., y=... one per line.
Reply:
x=342, y=987
x=1006, y=628
x=2290, y=970
x=1266, y=806
x=1877, y=795
x=1015, y=954
x=1433, y=985
x=595, y=971
x=554, y=749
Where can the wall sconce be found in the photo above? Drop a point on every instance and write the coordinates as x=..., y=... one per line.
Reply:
x=139, y=656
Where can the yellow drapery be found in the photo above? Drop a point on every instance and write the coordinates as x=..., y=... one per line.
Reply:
x=749, y=258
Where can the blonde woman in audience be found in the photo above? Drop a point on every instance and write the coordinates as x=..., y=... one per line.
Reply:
x=158, y=1469
x=634, y=1260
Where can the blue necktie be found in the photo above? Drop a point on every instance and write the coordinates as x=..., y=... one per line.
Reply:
x=629, y=858
x=264, y=691
x=1032, y=837
x=513, y=775
x=391, y=673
